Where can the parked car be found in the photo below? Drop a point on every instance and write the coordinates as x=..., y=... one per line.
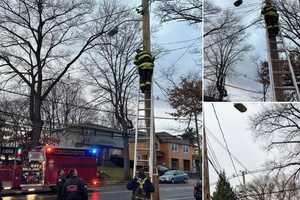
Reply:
x=174, y=176
x=162, y=170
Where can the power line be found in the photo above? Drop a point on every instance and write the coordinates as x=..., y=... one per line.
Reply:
x=179, y=41
x=214, y=155
x=236, y=87
x=224, y=139
x=95, y=109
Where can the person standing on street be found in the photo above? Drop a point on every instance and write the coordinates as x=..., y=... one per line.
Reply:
x=74, y=187
x=198, y=191
x=60, y=183
x=141, y=187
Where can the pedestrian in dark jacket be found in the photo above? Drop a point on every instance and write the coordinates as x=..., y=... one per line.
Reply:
x=74, y=188
x=60, y=183
x=198, y=191
x=141, y=187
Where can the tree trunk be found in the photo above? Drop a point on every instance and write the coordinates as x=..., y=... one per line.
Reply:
x=198, y=167
x=37, y=123
x=126, y=156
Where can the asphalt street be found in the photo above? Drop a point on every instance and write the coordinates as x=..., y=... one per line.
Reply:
x=167, y=192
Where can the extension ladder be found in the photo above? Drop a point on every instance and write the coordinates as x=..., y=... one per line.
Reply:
x=283, y=78
x=144, y=137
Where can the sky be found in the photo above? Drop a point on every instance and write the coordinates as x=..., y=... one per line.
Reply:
x=245, y=71
x=184, y=61
x=241, y=141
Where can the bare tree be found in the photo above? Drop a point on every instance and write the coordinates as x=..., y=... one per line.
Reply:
x=270, y=187
x=110, y=67
x=181, y=10
x=41, y=40
x=289, y=19
x=263, y=77
x=66, y=104
x=186, y=99
x=281, y=122
x=223, y=55
x=15, y=127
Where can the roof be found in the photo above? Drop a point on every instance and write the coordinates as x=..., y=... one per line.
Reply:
x=165, y=137
x=96, y=127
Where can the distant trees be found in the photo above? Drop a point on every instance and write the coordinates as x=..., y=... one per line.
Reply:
x=181, y=10
x=222, y=51
x=186, y=99
x=269, y=187
x=110, y=67
x=289, y=19
x=41, y=40
x=223, y=189
x=66, y=104
x=280, y=122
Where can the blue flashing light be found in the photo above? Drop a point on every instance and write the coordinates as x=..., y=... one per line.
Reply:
x=94, y=151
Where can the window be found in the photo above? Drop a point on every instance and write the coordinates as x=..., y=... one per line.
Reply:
x=185, y=148
x=174, y=147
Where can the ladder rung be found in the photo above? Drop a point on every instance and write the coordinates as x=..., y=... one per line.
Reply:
x=142, y=100
x=144, y=118
x=279, y=50
x=143, y=149
x=144, y=128
x=143, y=138
x=141, y=109
x=286, y=87
x=142, y=160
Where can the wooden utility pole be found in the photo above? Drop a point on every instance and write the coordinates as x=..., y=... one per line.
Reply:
x=148, y=100
x=205, y=182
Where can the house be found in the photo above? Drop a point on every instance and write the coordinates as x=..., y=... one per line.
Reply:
x=109, y=141
x=171, y=151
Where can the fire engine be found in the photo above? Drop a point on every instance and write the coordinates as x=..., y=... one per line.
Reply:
x=10, y=167
x=40, y=166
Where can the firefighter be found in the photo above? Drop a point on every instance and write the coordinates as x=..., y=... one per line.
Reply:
x=60, y=183
x=74, y=188
x=198, y=191
x=145, y=63
x=271, y=18
x=141, y=187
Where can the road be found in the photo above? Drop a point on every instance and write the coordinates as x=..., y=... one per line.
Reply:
x=167, y=192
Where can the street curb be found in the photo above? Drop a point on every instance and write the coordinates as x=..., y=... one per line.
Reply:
x=21, y=192
x=25, y=192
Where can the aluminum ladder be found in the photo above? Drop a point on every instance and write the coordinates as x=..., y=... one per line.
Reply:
x=144, y=139
x=290, y=80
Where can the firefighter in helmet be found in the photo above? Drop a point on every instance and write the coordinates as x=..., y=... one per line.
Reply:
x=271, y=18
x=74, y=188
x=141, y=187
x=145, y=63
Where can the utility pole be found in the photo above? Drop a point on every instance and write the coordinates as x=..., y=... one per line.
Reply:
x=205, y=185
x=244, y=179
x=148, y=103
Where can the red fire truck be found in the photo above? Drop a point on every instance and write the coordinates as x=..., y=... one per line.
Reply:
x=10, y=167
x=40, y=166
x=46, y=161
